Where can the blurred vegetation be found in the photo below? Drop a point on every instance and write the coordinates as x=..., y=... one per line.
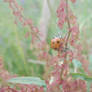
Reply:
x=15, y=48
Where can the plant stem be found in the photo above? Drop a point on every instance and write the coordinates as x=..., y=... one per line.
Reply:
x=66, y=43
x=69, y=26
x=68, y=22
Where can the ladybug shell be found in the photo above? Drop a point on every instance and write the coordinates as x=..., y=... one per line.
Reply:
x=57, y=43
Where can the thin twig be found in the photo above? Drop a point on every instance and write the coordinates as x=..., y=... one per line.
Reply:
x=68, y=22
x=69, y=26
x=66, y=44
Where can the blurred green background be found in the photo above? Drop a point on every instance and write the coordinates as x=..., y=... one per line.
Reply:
x=15, y=48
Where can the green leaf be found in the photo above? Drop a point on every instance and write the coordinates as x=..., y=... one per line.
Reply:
x=78, y=75
x=76, y=63
x=82, y=76
x=90, y=61
x=88, y=86
x=28, y=80
x=85, y=77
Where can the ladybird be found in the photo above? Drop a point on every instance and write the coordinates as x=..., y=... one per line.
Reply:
x=57, y=43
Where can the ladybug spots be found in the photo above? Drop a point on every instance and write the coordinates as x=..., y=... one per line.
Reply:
x=56, y=43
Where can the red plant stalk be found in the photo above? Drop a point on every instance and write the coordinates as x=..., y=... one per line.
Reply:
x=17, y=12
x=59, y=74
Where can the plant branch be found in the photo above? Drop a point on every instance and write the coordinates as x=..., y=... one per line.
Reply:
x=66, y=43
x=68, y=22
x=69, y=26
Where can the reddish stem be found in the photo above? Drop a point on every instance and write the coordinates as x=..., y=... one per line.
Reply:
x=69, y=26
